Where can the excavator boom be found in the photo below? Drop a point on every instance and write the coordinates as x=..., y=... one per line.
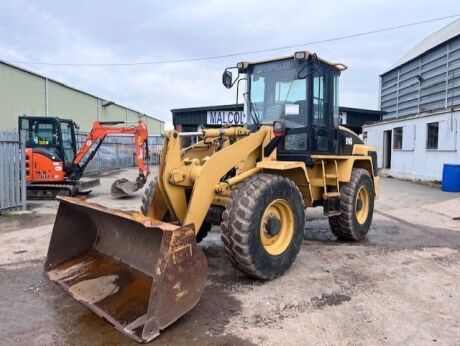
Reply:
x=121, y=187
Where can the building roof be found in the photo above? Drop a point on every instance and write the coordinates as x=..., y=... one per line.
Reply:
x=439, y=37
x=339, y=66
x=73, y=88
x=409, y=117
x=240, y=106
x=361, y=110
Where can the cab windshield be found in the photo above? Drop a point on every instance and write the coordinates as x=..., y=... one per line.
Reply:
x=276, y=93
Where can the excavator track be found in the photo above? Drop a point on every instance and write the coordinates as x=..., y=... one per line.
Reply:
x=50, y=191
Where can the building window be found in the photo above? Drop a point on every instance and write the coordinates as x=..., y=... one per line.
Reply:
x=397, y=137
x=364, y=135
x=432, y=130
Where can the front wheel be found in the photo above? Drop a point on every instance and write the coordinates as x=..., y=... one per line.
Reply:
x=263, y=224
x=356, y=207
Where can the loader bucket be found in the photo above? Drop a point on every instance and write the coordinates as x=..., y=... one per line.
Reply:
x=139, y=274
x=123, y=187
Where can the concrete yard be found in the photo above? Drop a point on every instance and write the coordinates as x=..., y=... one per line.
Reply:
x=399, y=286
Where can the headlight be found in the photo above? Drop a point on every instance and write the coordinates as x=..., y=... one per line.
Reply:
x=300, y=55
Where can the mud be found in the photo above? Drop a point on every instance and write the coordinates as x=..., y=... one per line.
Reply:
x=389, y=231
x=39, y=312
x=14, y=222
x=329, y=300
x=401, y=285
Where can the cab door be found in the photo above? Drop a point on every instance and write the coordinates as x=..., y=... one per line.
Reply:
x=325, y=114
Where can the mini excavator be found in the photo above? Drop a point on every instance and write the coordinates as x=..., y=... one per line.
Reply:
x=54, y=166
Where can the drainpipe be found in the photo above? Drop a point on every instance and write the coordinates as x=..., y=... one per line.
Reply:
x=97, y=109
x=46, y=96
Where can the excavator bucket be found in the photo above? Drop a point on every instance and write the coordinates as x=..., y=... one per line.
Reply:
x=139, y=274
x=123, y=187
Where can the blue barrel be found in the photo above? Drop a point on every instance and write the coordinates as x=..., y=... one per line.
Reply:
x=451, y=177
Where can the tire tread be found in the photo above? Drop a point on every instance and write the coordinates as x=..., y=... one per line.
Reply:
x=343, y=225
x=236, y=222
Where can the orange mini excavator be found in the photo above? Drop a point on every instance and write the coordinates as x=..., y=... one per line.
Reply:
x=54, y=166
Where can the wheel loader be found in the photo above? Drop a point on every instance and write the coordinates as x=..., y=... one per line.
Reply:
x=142, y=270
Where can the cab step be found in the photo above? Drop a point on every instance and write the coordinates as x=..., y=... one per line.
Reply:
x=331, y=176
x=331, y=205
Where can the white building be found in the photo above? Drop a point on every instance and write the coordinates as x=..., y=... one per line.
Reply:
x=421, y=97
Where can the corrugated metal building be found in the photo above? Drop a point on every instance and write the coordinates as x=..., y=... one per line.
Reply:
x=26, y=92
x=420, y=96
x=426, y=78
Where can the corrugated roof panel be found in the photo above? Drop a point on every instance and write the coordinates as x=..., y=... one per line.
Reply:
x=448, y=32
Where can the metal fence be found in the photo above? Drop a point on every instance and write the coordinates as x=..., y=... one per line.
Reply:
x=119, y=152
x=12, y=171
x=155, y=148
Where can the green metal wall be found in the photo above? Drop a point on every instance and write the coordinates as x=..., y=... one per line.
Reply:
x=70, y=104
x=23, y=92
x=20, y=93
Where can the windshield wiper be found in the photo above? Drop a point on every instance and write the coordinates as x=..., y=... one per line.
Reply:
x=252, y=110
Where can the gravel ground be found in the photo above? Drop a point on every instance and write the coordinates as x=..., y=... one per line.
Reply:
x=399, y=286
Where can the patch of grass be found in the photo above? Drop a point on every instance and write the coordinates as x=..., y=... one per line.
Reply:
x=6, y=213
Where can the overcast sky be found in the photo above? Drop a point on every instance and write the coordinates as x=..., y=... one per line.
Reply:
x=133, y=31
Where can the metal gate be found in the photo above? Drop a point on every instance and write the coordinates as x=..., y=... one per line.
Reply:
x=12, y=171
x=119, y=152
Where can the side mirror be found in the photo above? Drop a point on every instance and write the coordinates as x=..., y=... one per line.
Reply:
x=227, y=79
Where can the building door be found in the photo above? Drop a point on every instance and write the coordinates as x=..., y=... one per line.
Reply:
x=387, y=149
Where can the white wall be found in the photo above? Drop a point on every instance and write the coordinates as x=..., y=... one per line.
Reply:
x=414, y=161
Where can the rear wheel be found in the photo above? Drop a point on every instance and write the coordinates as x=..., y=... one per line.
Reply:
x=147, y=201
x=356, y=206
x=262, y=226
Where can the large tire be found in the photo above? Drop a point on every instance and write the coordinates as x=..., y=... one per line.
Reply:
x=252, y=246
x=148, y=195
x=147, y=201
x=356, y=211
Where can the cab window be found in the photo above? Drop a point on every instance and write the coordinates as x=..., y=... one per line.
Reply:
x=40, y=132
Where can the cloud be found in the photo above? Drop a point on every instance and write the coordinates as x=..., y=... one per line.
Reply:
x=120, y=31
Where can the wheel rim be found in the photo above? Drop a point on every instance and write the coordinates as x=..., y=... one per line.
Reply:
x=362, y=205
x=277, y=227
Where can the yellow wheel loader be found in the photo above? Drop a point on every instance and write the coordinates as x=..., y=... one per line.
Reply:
x=143, y=270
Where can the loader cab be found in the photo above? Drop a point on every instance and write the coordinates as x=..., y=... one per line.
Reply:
x=301, y=91
x=50, y=136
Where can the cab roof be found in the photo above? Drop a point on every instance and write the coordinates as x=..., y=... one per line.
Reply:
x=300, y=55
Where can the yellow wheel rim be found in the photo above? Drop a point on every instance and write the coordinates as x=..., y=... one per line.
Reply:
x=277, y=227
x=362, y=205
